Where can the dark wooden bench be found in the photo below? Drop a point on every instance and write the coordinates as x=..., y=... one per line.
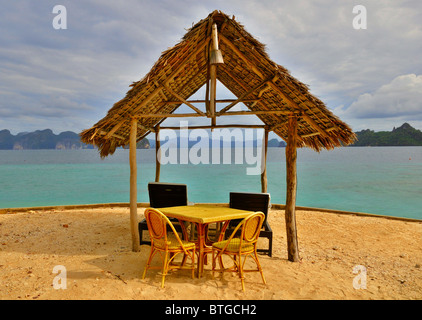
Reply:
x=162, y=195
x=254, y=202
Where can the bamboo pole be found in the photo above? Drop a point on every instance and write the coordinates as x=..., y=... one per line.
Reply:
x=206, y=101
x=207, y=91
x=229, y=113
x=291, y=183
x=157, y=154
x=225, y=109
x=218, y=126
x=184, y=101
x=133, y=187
x=213, y=87
x=215, y=58
x=264, y=183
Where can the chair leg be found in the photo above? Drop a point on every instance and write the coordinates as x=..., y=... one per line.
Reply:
x=193, y=263
x=213, y=262
x=185, y=257
x=259, y=267
x=270, y=244
x=241, y=273
x=164, y=269
x=151, y=254
x=220, y=260
x=216, y=255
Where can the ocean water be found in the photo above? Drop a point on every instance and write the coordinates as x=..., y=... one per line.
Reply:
x=383, y=180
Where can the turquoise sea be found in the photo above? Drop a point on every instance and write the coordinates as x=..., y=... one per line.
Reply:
x=378, y=180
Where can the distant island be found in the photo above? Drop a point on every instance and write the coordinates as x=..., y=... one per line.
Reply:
x=46, y=139
x=405, y=135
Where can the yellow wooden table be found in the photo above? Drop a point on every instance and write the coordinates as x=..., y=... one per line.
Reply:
x=202, y=215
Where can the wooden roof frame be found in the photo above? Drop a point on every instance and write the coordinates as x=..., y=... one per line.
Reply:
x=219, y=48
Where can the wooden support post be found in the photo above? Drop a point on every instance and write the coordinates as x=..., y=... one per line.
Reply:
x=157, y=154
x=291, y=183
x=133, y=187
x=264, y=162
x=207, y=92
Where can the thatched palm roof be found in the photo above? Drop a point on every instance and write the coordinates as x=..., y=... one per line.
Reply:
x=266, y=88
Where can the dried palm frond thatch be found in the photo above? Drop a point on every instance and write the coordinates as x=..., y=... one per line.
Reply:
x=266, y=88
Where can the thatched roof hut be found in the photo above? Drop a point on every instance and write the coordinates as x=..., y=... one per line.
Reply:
x=219, y=48
x=266, y=88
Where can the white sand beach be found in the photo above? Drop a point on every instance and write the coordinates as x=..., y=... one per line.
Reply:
x=94, y=246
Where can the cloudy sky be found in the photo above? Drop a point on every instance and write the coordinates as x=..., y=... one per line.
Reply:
x=69, y=79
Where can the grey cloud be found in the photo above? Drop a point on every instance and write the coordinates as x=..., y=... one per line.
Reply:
x=401, y=97
x=109, y=44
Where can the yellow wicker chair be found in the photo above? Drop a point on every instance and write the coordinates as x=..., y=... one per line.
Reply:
x=237, y=247
x=168, y=247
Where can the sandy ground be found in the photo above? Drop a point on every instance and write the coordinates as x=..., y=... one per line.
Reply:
x=94, y=247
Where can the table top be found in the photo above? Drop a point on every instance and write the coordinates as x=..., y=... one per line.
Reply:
x=204, y=213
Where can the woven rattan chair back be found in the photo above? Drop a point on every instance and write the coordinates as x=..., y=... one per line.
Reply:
x=157, y=225
x=252, y=227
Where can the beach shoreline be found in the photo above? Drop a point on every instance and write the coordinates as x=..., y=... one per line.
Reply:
x=93, y=244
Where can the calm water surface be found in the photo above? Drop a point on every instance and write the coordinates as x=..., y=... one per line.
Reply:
x=384, y=180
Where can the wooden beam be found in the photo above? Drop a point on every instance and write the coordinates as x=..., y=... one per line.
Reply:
x=278, y=125
x=310, y=135
x=207, y=90
x=244, y=126
x=133, y=187
x=232, y=113
x=216, y=101
x=317, y=133
x=184, y=101
x=225, y=109
x=291, y=185
x=245, y=112
x=262, y=106
x=157, y=154
x=115, y=128
x=167, y=115
x=264, y=183
x=142, y=127
x=103, y=133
